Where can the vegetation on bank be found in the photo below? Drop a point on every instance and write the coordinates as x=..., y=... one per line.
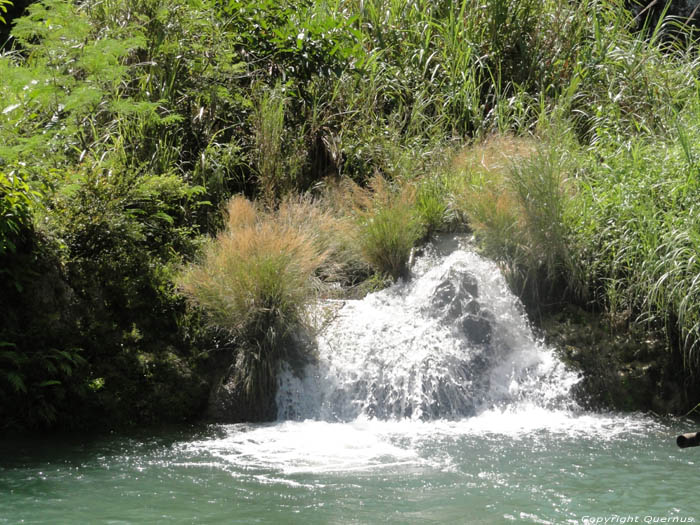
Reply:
x=337, y=135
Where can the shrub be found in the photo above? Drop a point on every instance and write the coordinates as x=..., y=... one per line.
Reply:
x=15, y=212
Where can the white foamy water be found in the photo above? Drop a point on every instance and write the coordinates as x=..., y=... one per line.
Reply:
x=450, y=343
x=446, y=355
x=365, y=445
x=293, y=447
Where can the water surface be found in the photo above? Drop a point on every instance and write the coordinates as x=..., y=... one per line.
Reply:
x=531, y=467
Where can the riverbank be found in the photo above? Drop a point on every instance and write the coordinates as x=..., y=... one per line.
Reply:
x=563, y=135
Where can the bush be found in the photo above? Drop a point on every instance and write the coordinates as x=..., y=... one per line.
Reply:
x=15, y=212
x=387, y=237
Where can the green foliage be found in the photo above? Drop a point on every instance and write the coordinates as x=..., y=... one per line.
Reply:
x=35, y=381
x=388, y=231
x=125, y=125
x=15, y=211
x=3, y=9
x=292, y=39
x=637, y=233
x=96, y=296
x=432, y=204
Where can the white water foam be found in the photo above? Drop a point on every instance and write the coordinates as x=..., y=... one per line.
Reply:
x=277, y=453
x=293, y=447
x=450, y=343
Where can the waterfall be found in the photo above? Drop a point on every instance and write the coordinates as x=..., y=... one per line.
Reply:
x=449, y=342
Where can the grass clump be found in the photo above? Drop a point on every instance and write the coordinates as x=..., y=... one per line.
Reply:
x=255, y=280
x=514, y=193
x=432, y=204
x=387, y=236
x=258, y=274
x=386, y=223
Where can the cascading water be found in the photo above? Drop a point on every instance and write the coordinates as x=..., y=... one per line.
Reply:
x=430, y=402
x=449, y=343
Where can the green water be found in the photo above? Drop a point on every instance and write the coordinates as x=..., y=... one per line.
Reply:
x=530, y=466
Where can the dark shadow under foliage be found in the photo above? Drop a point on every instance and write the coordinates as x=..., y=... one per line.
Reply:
x=93, y=332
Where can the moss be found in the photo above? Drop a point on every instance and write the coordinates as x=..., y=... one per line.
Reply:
x=623, y=367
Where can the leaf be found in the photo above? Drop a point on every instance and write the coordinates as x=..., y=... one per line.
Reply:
x=17, y=381
x=164, y=216
x=10, y=356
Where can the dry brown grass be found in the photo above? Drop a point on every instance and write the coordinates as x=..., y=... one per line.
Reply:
x=480, y=188
x=257, y=274
x=495, y=154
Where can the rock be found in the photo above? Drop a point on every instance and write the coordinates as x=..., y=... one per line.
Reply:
x=444, y=295
x=628, y=369
x=455, y=291
x=229, y=402
x=476, y=328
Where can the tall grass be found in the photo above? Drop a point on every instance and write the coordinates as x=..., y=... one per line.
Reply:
x=514, y=195
x=637, y=234
x=432, y=204
x=387, y=237
x=268, y=123
x=255, y=280
x=386, y=224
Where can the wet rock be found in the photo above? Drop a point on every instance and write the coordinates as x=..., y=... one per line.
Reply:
x=444, y=295
x=456, y=290
x=626, y=368
x=455, y=302
x=477, y=329
x=229, y=400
